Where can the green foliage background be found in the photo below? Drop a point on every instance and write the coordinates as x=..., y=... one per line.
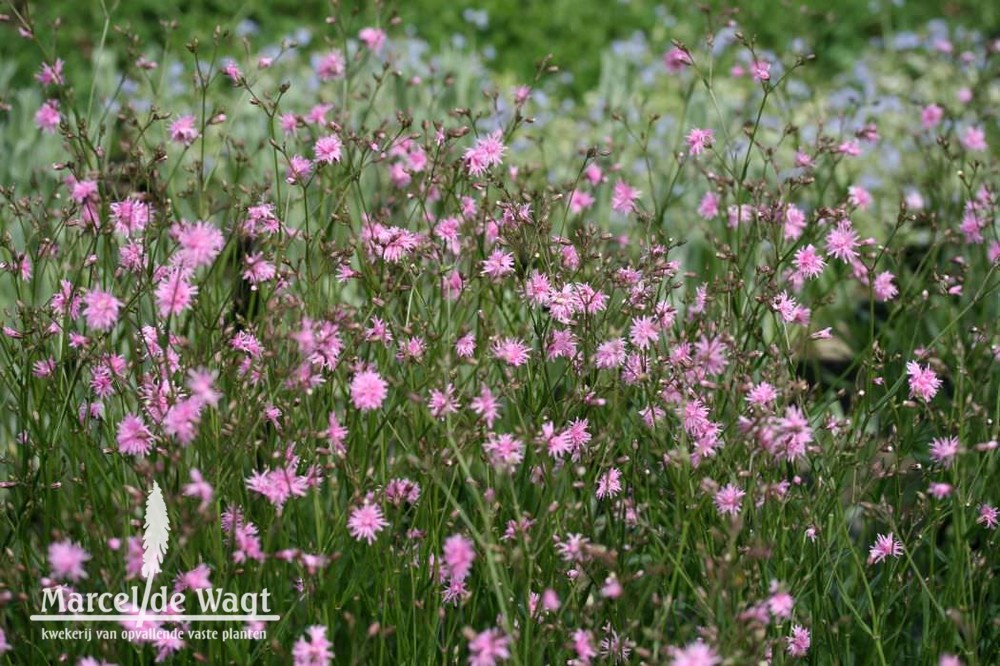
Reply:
x=521, y=32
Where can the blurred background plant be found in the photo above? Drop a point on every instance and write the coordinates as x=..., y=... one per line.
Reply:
x=512, y=36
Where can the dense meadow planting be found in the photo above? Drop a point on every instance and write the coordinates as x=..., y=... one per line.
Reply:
x=701, y=369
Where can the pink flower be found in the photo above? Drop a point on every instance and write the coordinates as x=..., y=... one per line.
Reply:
x=924, y=383
x=761, y=70
x=183, y=130
x=130, y=215
x=486, y=406
x=512, y=350
x=372, y=38
x=943, y=450
x=299, y=168
x=488, y=151
x=195, y=579
x=939, y=490
x=458, y=554
x=580, y=201
x=465, y=346
x=798, y=641
x=609, y=484
x=47, y=117
x=859, y=197
x=328, y=149
x=795, y=222
x=181, y=420
x=317, y=650
x=51, y=74
x=884, y=546
x=695, y=654
x=200, y=243
x=676, y=60
x=488, y=648
x=443, y=402
x=644, y=332
x=762, y=394
x=101, y=309
x=199, y=488
x=623, y=197
x=729, y=499
x=331, y=66
x=134, y=438
x=780, y=603
x=498, y=264
x=988, y=516
x=974, y=139
x=708, y=207
x=66, y=560
x=842, y=241
x=368, y=390
x=699, y=139
x=505, y=452
x=931, y=116
x=610, y=354
x=366, y=522
x=174, y=294
x=883, y=287
x=808, y=262
x=258, y=269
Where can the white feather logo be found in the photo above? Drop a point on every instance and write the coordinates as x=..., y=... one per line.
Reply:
x=154, y=541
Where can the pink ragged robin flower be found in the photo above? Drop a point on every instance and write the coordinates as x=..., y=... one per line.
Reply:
x=883, y=286
x=183, y=131
x=699, y=139
x=931, y=115
x=808, y=262
x=458, y=554
x=676, y=60
x=66, y=559
x=505, y=452
x=100, y=309
x=47, y=118
x=365, y=522
x=842, y=242
x=316, y=650
x=372, y=38
x=762, y=394
x=328, y=149
x=761, y=70
x=729, y=499
x=368, y=390
x=200, y=243
x=498, y=264
x=174, y=293
x=885, y=545
x=974, y=139
x=487, y=152
x=512, y=351
x=798, y=641
x=489, y=648
x=331, y=66
x=134, y=438
x=609, y=484
x=623, y=197
x=988, y=516
x=944, y=449
x=924, y=382
x=695, y=654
